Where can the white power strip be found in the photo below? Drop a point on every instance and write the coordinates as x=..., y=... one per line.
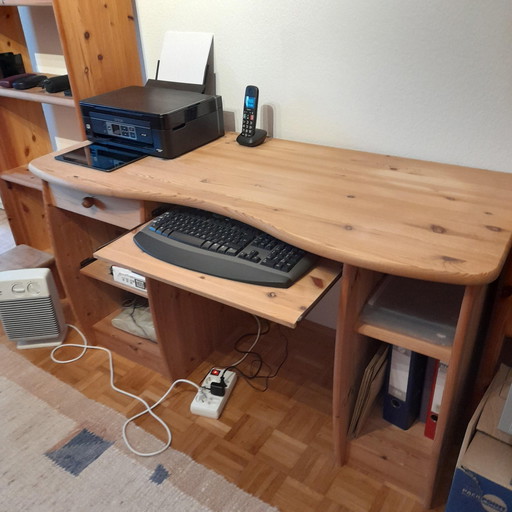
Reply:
x=206, y=404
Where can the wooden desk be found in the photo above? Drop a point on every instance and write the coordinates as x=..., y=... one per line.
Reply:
x=376, y=214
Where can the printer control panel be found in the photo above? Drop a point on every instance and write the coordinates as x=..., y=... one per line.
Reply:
x=121, y=130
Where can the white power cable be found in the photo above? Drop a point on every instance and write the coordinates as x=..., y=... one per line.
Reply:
x=148, y=409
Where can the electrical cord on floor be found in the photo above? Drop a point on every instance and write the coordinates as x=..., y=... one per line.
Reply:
x=147, y=408
x=257, y=363
x=271, y=374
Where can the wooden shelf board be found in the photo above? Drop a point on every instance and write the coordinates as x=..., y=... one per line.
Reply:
x=443, y=353
x=133, y=347
x=100, y=270
x=399, y=457
x=286, y=306
x=38, y=95
x=22, y=176
x=27, y=3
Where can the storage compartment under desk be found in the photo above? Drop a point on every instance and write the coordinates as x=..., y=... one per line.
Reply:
x=404, y=458
x=135, y=348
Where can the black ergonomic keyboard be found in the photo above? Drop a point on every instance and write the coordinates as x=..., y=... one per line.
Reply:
x=223, y=247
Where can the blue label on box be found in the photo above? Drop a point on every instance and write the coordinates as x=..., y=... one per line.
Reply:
x=471, y=492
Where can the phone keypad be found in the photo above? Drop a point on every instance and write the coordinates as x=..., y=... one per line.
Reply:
x=248, y=123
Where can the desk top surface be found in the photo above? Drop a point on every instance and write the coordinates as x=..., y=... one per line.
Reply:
x=394, y=215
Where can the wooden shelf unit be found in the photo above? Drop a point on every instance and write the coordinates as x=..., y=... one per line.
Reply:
x=99, y=43
x=415, y=344
x=100, y=270
x=38, y=95
x=27, y=3
x=404, y=458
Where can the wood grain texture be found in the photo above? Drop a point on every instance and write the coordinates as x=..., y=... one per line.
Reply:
x=100, y=45
x=283, y=305
x=26, y=215
x=406, y=217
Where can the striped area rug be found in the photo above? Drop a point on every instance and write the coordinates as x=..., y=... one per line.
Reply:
x=60, y=451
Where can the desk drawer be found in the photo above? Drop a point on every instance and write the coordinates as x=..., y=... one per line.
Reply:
x=125, y=213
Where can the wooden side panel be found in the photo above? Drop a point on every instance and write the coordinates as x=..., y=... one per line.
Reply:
x=26, y=215
x=353, y=352
x=24, y=133
x=188, y=326
x=23, y=126
x=74, y=239
x=12, y=38
x=452, y=416
x=100, y=45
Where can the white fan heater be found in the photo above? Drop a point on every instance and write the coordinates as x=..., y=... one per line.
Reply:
x=30, y=309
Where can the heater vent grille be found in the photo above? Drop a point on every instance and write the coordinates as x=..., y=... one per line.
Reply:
x=29, y=318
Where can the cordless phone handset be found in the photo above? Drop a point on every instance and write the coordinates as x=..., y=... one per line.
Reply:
x=250, y=111
x=250, y=135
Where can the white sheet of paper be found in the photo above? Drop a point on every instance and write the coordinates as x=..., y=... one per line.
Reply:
x=184, y=56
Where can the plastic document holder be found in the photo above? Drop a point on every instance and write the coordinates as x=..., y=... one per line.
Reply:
x=421, y=309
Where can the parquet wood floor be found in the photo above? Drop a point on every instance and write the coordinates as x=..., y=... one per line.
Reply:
x=274, y=444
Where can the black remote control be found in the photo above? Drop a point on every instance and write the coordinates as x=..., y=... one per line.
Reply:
x=250, y=111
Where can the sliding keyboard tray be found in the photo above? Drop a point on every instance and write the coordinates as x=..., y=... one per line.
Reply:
x=285, y=306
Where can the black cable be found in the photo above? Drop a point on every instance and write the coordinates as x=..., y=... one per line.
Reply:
x=271, y=374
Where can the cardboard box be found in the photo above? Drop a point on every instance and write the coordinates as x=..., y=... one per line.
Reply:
x=483, y=477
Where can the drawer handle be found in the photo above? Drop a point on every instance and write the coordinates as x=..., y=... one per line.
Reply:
x=88, y=202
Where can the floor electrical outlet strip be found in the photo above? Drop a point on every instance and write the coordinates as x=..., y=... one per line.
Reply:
x=206, y=404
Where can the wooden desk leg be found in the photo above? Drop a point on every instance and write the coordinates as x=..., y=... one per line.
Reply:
x=352, y=352
x=189, y=326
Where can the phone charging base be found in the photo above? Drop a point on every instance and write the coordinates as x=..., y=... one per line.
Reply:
x=255, y=140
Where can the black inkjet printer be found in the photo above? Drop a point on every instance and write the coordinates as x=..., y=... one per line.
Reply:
x=153, y=119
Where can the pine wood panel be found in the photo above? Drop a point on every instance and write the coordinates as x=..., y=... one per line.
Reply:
x=100, y=45
x=405, y=217
x=38, y=95
x=282, y=305
x=189, y=327
x=121, y=212
x=26, y=215
x=74, y=239
x=135, y=348
x=25, y=136
x=24, y=132
x=353, y=352
x=440, y=352
x=100, y=270
x=22, y=176
x=12, y=38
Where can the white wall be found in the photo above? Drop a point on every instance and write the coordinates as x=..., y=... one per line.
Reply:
x=422, y=79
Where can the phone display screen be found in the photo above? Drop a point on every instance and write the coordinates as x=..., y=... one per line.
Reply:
x=250, y=101
x=99, y=157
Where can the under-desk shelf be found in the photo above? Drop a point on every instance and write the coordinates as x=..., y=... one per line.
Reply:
x=129, y=345
x=100, y=270
x=286, y=306
x=441, y=352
